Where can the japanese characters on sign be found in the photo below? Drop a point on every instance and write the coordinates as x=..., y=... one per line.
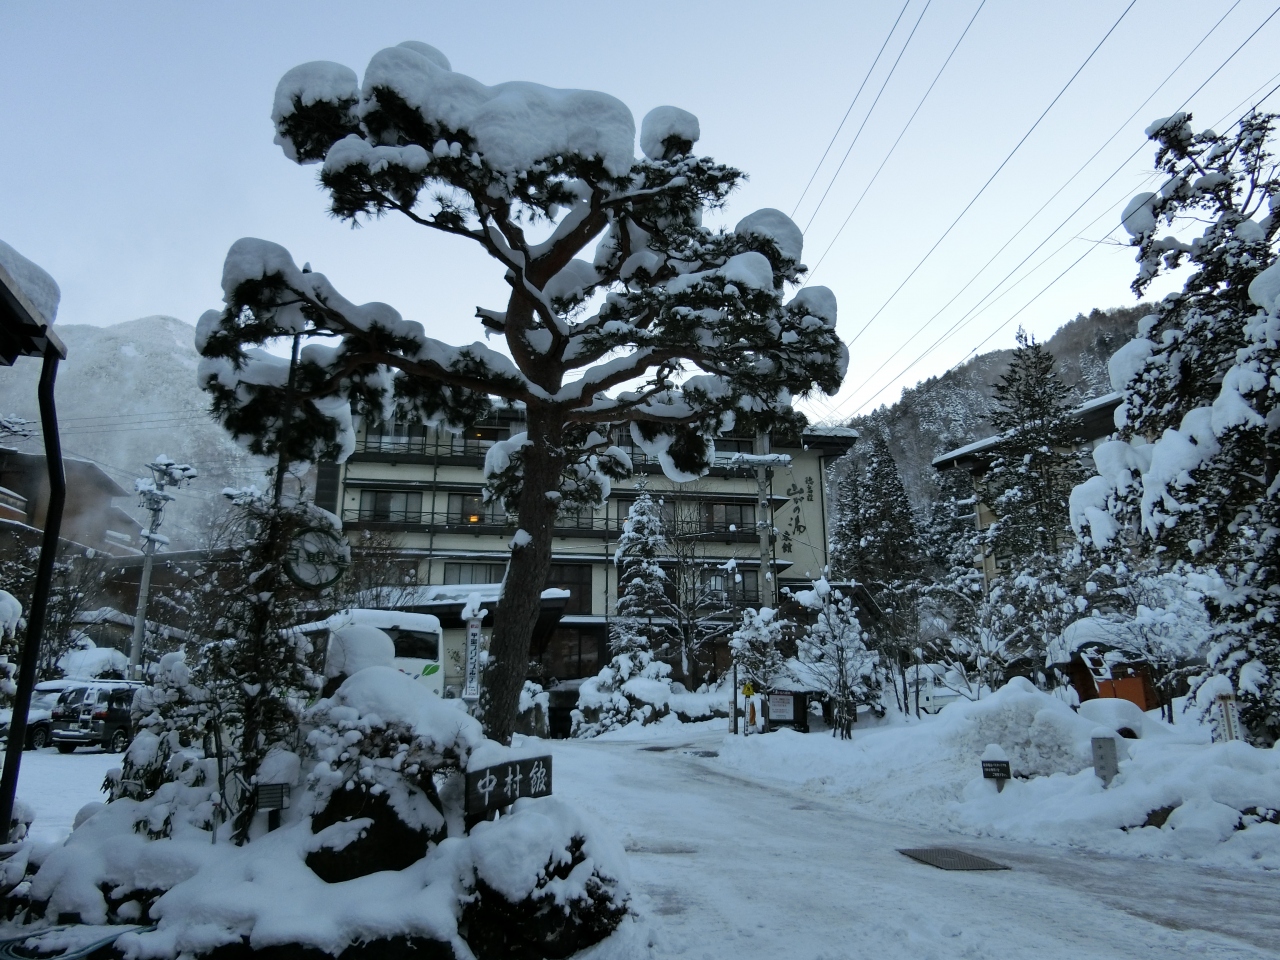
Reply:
x=493, y=788
x=996, y=770
x=471, y=686
x=782, y=707
x=795, y=527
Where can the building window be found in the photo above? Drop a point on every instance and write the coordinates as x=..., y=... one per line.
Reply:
x=575, y=518
x=474, y=572
x=476, y=441
x=741, y=517
x=727, y=447
x=470, y=508
x=395, y=438
x=576, y=578
x=390, y=506
x=724, y=586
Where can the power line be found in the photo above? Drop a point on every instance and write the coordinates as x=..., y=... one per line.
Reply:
x=905, y=128
x=862, y=126
x=965, y=319
x=850, y=110
x=990, y=179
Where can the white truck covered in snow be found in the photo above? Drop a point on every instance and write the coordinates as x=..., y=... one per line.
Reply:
x=417, y=637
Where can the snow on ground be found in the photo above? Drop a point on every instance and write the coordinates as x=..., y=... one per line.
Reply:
x=739, y=848
x=1215, y=796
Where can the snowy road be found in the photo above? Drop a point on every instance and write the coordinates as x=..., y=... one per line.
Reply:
x=729, y=868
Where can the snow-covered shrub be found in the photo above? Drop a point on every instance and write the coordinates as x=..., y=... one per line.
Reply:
x=632, y=688
x=379, y=745
x=544, y=887
x=754, y=646
x=370, y=858
x=534, y=719
x=835, y=657
x=1040, y=733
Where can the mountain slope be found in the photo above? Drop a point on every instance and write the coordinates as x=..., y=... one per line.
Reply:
x=945, y=412
x=127, y=393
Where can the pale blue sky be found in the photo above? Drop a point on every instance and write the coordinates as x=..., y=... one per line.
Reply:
x=138, y=147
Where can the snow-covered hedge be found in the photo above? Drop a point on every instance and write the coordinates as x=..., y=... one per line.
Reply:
x=370, y=854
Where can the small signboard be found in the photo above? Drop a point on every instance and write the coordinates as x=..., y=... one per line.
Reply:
x=996, y=770
x=1105, y=763
x=471, y=686
x=493, y=788
x=782, y=707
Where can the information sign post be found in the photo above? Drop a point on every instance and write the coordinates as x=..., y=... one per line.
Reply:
x=471, y=686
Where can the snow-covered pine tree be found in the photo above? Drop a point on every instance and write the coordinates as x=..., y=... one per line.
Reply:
x=845, y=533
x=879, y=547
x=1193, y=477
x=1027, y=487
x=756, y=648
x=837, y=658
x=257, y=671
x=645, y=611
x=624, y=312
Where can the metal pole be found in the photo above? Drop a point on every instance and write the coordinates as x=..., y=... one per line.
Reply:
x=733, y=700
x=764, y=523
x=140, y=615
x=39, y=595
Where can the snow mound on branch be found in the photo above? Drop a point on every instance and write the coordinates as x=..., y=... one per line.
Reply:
x=513, y=125
x=34, y=282
x=776, y=226
x=1264, y=289
x=309, y=83
x=1127, y=362
x=1138, y=217
x=663, y=122
x=352, y=649
x=817, y=302
x=1176, y=796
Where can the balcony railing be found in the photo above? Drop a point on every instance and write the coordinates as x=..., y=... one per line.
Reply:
x=450, y=446
x=496, y=523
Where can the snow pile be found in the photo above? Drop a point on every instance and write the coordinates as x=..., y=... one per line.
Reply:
x=632, y=688
x=1176, y=795
x=369, y=850
x=88, y=661
x=33, y=282
x=353, y=648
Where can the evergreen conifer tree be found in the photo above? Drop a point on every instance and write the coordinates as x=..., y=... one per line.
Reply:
x=1193, y=477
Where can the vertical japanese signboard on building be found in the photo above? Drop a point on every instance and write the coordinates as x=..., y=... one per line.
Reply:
x=471, y=687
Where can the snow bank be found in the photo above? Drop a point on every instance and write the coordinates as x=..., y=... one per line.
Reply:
x=88, y=662
x=1175, y=796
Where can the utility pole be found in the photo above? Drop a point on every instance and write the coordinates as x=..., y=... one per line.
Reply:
x=153, y=499
x=764, y=521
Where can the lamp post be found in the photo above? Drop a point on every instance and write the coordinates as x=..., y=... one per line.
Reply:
x=153, y=498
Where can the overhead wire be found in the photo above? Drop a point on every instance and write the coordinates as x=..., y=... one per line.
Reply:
x=1003, y=164
x=854, y=142
x=1093, y=246
x=840, y=127
x=965, y=319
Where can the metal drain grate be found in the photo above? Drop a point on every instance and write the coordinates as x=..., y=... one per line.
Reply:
x=946, y=858
x=703, y=753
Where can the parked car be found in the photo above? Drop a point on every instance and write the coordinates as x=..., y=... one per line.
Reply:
x=94, y=712
x=39, y=726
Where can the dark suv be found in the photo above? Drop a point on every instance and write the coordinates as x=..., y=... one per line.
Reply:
x=94, y=713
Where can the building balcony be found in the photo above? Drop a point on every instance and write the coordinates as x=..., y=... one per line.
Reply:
x=489, y=523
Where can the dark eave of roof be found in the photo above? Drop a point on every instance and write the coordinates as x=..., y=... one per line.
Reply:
x=23, y=331
x=1096, y=419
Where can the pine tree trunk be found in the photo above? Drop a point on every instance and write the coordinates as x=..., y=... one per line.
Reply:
x=521, y=602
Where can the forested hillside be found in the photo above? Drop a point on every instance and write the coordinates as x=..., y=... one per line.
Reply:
x=942, y=413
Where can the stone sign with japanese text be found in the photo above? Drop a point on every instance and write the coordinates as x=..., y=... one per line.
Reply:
x=493, y=788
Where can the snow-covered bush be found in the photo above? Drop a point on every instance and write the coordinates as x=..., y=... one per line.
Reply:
x=165, y=767
x=755, y=650
x=835, y=657
x=632, y=688
x=534, y=719
x=370, y=858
